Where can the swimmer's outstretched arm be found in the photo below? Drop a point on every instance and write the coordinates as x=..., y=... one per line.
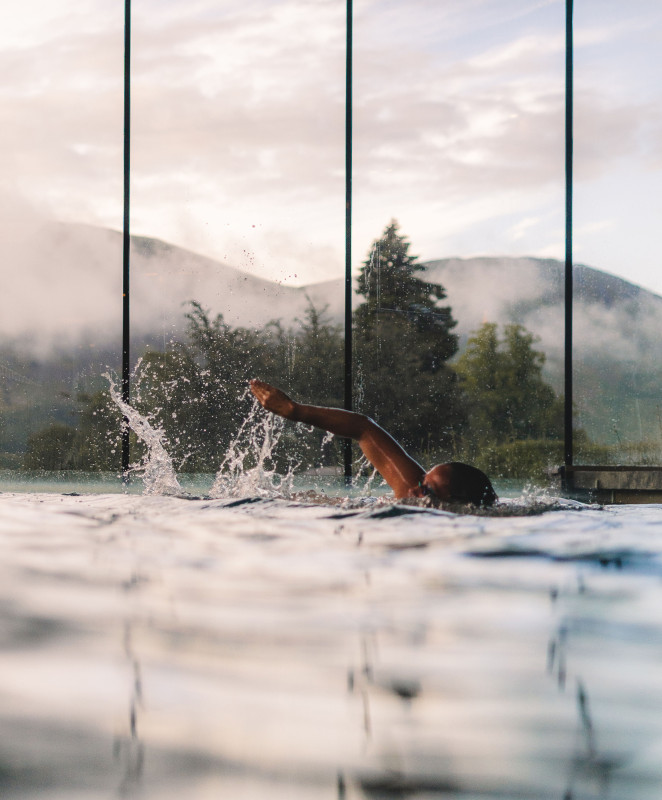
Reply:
x=398, y=469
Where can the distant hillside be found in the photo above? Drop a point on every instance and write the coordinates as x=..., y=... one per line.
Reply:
x=65, y=294
x=67, y=286
x=617, y=328
x=610, y=315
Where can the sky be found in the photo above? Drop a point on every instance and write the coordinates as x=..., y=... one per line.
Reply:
x=238, y=128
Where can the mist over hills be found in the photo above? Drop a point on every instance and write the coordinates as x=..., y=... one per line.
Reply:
x=66, y=288
x=66, y=285
x=66, y=294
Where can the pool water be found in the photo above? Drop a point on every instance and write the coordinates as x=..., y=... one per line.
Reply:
x=313, y=647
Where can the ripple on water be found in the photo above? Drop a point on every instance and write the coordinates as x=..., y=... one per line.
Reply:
x=291, y=646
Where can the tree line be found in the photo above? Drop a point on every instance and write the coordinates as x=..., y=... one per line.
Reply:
x=491, y=405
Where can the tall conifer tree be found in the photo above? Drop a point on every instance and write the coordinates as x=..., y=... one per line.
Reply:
x=404, y=338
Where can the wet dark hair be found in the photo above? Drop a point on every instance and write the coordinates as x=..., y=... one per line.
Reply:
x=468, y=484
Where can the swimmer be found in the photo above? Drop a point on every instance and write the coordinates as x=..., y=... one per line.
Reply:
x=454, y=482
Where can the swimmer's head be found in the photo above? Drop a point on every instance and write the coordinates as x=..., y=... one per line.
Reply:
x=458, y=483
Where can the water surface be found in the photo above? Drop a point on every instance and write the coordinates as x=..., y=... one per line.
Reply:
x=163, y=647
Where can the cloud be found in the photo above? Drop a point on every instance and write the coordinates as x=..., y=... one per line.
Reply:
x=519, y=230
x=238, y=120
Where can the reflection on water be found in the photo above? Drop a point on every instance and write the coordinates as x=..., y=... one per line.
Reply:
x=128, y=749
x=162, y=647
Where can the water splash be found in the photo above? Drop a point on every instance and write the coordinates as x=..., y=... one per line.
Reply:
x=247, y=468
x=255, y=441
x=159, y=476
x=360, y=466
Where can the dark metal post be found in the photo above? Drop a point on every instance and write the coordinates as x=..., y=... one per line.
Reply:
x=568, y=231
x=126, y=237
x=348, y=237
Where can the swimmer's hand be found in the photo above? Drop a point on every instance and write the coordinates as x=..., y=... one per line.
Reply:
x=273, y=399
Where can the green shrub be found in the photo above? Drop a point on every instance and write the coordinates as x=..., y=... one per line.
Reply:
x=535, y=459
x=53, y=448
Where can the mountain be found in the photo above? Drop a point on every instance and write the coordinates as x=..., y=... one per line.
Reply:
x=66, y=284
x=65, y=294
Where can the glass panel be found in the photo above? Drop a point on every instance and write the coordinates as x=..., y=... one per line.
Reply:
x=618, y=191
x=238, y=204
x=61, y=166
x=459, y=137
